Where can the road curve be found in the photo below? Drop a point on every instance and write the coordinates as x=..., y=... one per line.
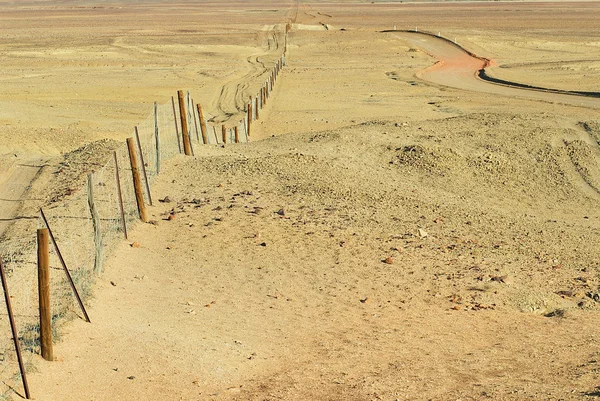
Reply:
x=458, y=68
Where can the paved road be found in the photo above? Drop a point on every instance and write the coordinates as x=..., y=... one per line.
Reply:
x=458, y=69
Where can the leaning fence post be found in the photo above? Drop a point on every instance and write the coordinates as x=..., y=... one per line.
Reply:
x=13, y=328
x=176, y=128
x=137, y=182
x=224, y=133
x=120, y=195
x=215, y=132
x=139, y=144
x=194, y=117
x=202, y=124
x=156, y=138
x=44, y=294
x=96, y=223
x=236, y=134
x=64, y=265
x=184, y=125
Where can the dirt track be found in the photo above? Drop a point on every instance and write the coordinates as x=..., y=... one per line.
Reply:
x=457, y=69
x=15, y=179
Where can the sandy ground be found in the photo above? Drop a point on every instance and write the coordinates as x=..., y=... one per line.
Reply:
x=388, y=238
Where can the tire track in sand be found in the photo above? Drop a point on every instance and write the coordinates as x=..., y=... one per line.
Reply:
x=233, y=95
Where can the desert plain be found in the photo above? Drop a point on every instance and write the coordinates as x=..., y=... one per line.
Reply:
x=396, y=228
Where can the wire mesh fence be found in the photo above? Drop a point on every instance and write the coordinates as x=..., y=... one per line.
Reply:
x=90, y=220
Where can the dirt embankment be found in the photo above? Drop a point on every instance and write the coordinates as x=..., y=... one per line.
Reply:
x=377, y=261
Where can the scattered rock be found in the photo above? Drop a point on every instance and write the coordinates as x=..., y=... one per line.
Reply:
x=594, y=295
x=131, y=377
x=500, y=279
x=263, y=244
x=365, y=300
x=153, y=222
x=556, y=313
x=113, y=284
x=388, y=260
x=166, y=199
x=281, y=212
x=171, y=217
x=135, y=245
x=423, y=233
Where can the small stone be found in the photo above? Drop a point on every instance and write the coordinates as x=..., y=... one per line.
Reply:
x=388, y=260
x=365, y=300
x=131, y=377
x=594, y=296
x=153, y=222
x=281, y=212
x=135, y=245
x=166, y=199
x=113, y=283
x=171, y=217
x=500, y=279
x=263, y=244
x=423, y=233
x=556, y=313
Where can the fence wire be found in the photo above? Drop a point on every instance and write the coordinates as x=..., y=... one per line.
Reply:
x=87, y=224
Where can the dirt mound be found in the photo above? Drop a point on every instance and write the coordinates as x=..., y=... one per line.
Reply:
x=70, y=171
x=585, y=159
x=428, y=160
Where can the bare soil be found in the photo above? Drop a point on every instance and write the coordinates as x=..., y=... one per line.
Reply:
x=383, y=236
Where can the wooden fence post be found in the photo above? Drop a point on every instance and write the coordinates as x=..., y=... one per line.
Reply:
x=256, y=109
x=191, y=115
x=236, y=134
x=44, y=294
x=156, y=138
x=202, y=124
x=98, y=245
x=184, y=125
x=224, y=133
x=139, y=144
x=15, y=333
x=137, y=182
x=176, y=128
x=249, y=118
